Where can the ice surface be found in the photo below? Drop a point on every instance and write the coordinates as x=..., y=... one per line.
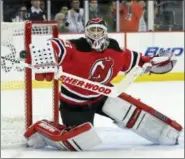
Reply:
x=167, y=97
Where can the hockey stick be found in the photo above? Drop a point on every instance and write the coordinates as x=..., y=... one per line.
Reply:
x=87, y=84
x=100, y=88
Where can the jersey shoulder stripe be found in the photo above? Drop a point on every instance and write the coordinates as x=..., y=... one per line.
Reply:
x=62, y=50
x=135, y=57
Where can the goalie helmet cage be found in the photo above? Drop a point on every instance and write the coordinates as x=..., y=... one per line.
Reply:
x=27, y=30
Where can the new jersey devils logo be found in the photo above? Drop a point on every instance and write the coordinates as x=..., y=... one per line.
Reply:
x=101, y=70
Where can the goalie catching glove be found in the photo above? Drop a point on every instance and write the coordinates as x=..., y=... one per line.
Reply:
x=160, y=64
x=45, y=133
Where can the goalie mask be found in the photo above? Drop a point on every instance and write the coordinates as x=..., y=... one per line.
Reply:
x=96, y=34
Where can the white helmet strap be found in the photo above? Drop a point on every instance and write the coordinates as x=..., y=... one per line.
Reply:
x=96, y=25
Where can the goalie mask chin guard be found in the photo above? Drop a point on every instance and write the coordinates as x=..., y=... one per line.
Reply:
x=96, y=34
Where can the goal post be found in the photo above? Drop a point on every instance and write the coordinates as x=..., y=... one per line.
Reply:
x=32, y=28
x=16, y=37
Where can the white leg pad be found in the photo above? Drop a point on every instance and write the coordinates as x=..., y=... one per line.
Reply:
x=86, y=140
x=82, y=142
x=45, y=133
x=144, y=123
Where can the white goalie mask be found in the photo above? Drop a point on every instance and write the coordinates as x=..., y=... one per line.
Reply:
x=96, y=34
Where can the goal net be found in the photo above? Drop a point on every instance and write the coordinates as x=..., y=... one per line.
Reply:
x=22, y=103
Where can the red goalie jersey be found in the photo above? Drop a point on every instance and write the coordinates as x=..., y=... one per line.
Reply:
x=78, y=58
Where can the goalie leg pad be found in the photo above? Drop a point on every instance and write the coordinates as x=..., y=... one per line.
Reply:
x=80, y=138
x=142, y=119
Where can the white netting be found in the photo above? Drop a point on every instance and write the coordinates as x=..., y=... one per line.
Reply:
x=12, y=125
x=8, y=48
x=13, y=120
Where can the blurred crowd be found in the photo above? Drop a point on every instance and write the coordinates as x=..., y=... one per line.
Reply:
x=69, y=14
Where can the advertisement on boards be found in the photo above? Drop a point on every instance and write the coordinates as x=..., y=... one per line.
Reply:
x=153, y=51
x=151, y=44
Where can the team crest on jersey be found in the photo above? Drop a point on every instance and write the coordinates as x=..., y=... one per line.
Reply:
x=102, y=70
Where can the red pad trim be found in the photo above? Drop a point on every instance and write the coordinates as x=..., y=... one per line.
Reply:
x=133, y=119
x=50, y=130
x=151, y=111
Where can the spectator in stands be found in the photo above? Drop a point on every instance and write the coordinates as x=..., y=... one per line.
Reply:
x=43, y=7
x=102, y=10
x=60, y=19
x=22, y=15
x=108, y=14
x=130, y=13
x=36, y=12
x=75, y=17
x=157, y=17
x=64, y=10
x=142, y=22
x=93, y=9
x=113, y=14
